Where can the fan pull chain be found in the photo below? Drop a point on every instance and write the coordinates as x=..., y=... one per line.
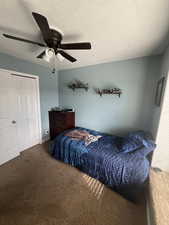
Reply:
x=54, y=65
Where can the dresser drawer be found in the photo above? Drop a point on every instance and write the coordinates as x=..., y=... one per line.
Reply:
x=60, y=120
x=56, y=116
x=60, y=125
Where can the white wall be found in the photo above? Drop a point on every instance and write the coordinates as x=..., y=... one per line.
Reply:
x=161, y=123
x=164, y=68
x=161, y=155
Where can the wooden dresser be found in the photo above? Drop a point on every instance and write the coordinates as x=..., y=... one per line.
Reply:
x=60, y=121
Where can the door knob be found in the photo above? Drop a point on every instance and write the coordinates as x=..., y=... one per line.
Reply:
x=13, y=121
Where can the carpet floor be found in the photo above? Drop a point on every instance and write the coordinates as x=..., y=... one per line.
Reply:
x=159, y=197
x=36, y=189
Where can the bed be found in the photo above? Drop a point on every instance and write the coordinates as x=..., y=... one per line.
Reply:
x=121, y=163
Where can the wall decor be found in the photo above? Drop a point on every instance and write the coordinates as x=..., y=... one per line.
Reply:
x=108, y=91
x=159, y=91
x=76, y=84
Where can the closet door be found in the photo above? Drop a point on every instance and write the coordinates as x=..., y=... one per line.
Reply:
x=28, y=126
x=8, y=118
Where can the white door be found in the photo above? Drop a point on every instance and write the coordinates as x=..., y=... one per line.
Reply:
x=27, y=121
x=19, y=115
x=8, y=120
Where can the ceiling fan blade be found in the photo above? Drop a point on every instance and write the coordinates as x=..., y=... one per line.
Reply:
x=74, y=46
x=24, y=40
x=43, y=25
x=67, y=56
x=41, y=55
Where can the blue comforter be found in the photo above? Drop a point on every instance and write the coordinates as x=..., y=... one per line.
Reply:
x=119, y=162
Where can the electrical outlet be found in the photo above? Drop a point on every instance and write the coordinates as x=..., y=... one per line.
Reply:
x=46, y=131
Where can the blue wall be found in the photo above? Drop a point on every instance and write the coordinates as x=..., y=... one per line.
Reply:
x=137, y=79
x=48, y=83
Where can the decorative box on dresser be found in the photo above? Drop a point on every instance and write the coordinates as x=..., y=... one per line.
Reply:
x=60, y=121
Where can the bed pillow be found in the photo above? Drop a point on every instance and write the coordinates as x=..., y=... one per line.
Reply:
x=135, y=140
x=128, y=144
x=144, y=137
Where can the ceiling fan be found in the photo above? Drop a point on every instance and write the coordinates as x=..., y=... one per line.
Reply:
x=53, y=41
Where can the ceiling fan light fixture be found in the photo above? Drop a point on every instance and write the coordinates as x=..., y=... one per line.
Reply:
x=60, y=57
x=49, y=53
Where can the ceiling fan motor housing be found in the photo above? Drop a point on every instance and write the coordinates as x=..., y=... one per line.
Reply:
x=55, y=40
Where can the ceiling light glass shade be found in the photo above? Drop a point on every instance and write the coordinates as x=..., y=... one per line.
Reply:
x=49, y=53
x=60, y=57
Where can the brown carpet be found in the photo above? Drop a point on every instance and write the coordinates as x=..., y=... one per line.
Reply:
x=159, y=197
x=36, y=189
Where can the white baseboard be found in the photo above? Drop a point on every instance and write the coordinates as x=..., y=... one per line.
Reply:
x=13, y=156
x=45, y=138
x=148, y=212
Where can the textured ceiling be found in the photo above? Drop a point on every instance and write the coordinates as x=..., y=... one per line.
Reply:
x=117, y=29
